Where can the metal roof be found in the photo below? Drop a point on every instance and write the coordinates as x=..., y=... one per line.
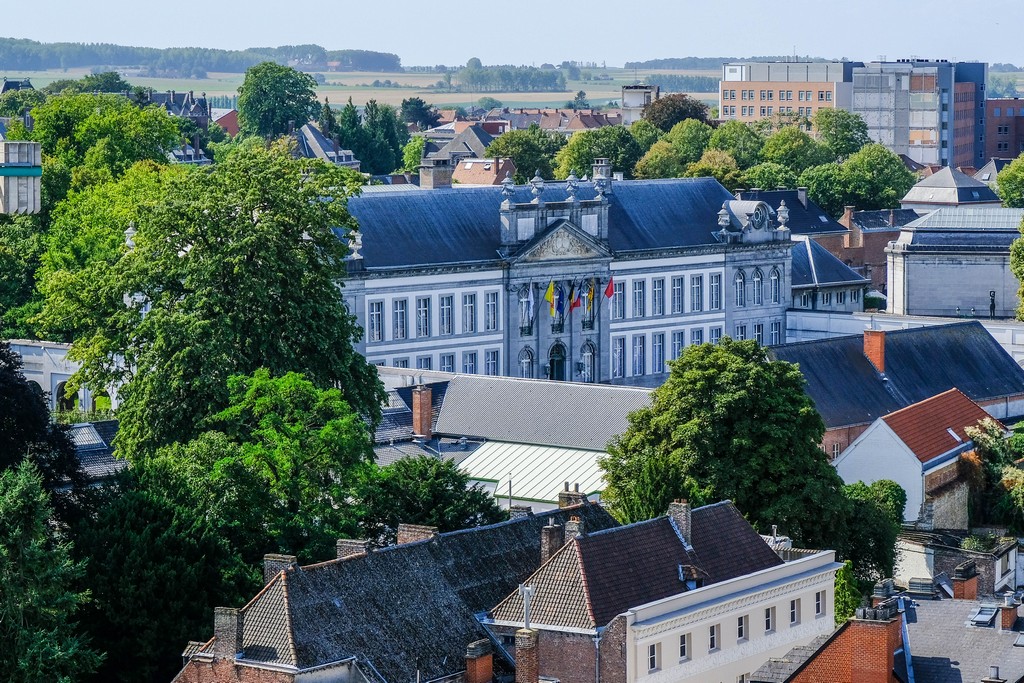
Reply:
x=969, y=218
x=805, y=217
x=816, y=266
x=950, y=186
x=537, y=473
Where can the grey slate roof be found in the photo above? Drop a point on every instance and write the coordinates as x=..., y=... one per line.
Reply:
x=884, y=219
x=93, y=446
x=988, y=172
x=959, y=228
x=462, y=225
x=950, y=186
x=803, y=220
x=399, y=605
x=574, y=415
x=816, y=266
x=919, y=363
x=779, y=669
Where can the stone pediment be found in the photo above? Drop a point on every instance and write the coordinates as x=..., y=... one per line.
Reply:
x=561, y=242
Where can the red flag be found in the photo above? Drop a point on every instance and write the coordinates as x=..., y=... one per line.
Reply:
x=610, y=289
x=576, y=302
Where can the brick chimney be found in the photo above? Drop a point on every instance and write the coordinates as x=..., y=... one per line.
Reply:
x=875, y=634
x=520, y=511
x=274, y=564
x=479, y=662
x=552, y=538
x=350, y=547
x=679, y=511
x=527, y=665
x=847, y=220
x=227, y=629
x=801, y=194
x=874, y=348
x=569, y=498
x=575, y=527
x=408, y=533
x=1008, y=614
x=422, y=413
x=965, y=581
x=436, y=174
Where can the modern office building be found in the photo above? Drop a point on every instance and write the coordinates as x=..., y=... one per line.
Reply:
x=1004, y=129
x=751, y=91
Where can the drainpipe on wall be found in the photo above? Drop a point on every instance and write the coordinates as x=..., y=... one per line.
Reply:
x=597, y=658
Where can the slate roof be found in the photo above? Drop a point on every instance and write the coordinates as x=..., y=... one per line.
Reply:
x=9, y=84
x=584, y=416
x=924, y=427
x=779, y=669
x=809, y=219
x=919, y=363
x=399, y=605
x=988, y=172
x=597, y=576
x=94, y=448
x=816, y=266
x=884, y=220
x=950, y=186
x=462, y=225
x=311, y=143
x=963, y=228
x=471, y=142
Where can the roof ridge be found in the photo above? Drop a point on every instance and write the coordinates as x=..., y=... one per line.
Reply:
x=288, y=618
x=262, y=592
x=631, y=525
x=583, y=580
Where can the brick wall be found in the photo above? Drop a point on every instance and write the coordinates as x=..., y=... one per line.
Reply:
x=949, y=506
x=861, y=653
x=613, y=652
x=843, y=436
x=226, y=671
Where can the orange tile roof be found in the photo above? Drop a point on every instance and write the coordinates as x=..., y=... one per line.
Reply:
x=924, y=427
x=481, y=171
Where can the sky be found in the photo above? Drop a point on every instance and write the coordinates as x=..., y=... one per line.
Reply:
x=425, y=33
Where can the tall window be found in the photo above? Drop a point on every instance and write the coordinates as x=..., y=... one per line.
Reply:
x=469, y=362
x=619, y=301
x=619, y=357
x=652, y=657
x=525, y=311
x=696, y=293
x=775, y=286
x=757, y=282
x=741, y=627
x=684, y=646
x=715, y=335
x=769, y=619
x=678, y=343
x=677, y=295
x=759, y=333
x=423, y=317
x=776, y=333
x=714, y=635
x=697, y=336
x=401, y=363
x=741, y=333
x=588, y=356
x=715, y=292
x=445, y=317
x=739, y=284
x=424, y=363
x=491, y=362
x=819, y=603
x=526, y=364
x=468, y=313
x=447, y=363
x=401, y=322
x=491, y=311
x=375, y=326
x=657, y=353
x=794, y=612
x=639, y=297
x=639, y=355
x=658, y=296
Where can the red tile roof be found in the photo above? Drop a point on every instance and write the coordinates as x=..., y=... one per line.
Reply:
x=924, y=427
x=482, y=171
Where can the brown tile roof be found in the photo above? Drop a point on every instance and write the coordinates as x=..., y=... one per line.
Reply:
x=481, y=171
x=924, y=427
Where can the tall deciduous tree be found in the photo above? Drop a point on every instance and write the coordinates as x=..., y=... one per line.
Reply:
x=873, y=178
x=611, y=142
x=416, y=110
x=715, y=163
x=671, y=109
x=661, y=161
x=848, y=596
x=272, y=97
x=874, y=522
x=794, y=149
x=690, y=139
x=1010, y=183
x=841, y=131
x=769, y=176
x=645, y=133
x=739, y=140
x=531, y=150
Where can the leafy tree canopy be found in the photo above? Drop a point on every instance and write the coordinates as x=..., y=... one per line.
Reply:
x=874, y=522
x=841, y=131
x=645, y=133
x=662, y=160
x=1010, y=183
x=671, y=109
x=690, y=139
x=873, y=178
x=794, y=149
x=412, y=153
x=715, y=163
x=848, y=595
x=768, y=176
x=738, y=139
x=529, y=150
x=416, y=110
x=273, y=97
x=612, y=142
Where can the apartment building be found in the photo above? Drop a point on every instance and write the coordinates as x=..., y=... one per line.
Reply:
x=1004, y=128
x=758, y=90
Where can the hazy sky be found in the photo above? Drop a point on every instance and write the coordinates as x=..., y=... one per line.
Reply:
x=536, y=32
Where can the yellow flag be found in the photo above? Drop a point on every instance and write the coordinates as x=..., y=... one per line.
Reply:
x=549, y=296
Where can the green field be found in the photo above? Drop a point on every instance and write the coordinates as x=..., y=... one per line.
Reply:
x=342, y=85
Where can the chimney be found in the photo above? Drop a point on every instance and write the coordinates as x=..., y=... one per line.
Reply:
x=965, y=581
x=422, y=413
x=993, y=676
x=847, y=220
x=575, y=527
x=552, y=538
x=602, y=167
x=878, y=634
x=274, y=564
x=479, y=662
x=679, y=511
x=350, y=547
x=408, y=533
x=520, y=511
x=892, y=218
x=874, y=348
x=526, y=656
x=569, y=498
x=227, y=629
x=801, y=194
x=435, y=174
x=1008, y=614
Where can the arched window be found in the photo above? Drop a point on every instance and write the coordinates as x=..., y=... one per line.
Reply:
x=65, y=402
x=757, y=281
x=775, y=286
x=588, y=354
x=526, y=364
x=740, y=285
x=556, y=360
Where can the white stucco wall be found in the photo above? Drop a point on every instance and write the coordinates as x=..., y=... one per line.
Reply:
x=879, y=454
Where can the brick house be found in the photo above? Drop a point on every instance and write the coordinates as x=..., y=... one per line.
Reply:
x=690, y=596
x=863, y=248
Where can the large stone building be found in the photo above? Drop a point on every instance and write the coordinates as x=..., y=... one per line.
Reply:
x=591, y=282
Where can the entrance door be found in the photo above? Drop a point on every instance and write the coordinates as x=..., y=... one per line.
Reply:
x=557, y=360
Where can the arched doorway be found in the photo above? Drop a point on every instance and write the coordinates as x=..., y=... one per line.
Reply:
x=587, y=355
x=65, y=402
x=556, y=360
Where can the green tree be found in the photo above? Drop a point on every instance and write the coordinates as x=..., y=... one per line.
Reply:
x=526, y=150
x=422, y=490
x=611, y=142
x=273, y=97
x=328, y=124
x=738, y=139
x=794, y=149
x=848, y=595
x=412, y=153
x=234, y=268
x=385, y=135
x=645, y=133
x=21, y=247
x=580, y=101
x=730, y=423
x=39, y=639
x=715, y=163
x=826, y=186
x=843, y=132
x=416, y=110
x=488, y=103
x=768, y=176
x=15, y=102
x=671, y=109
x=1010, y=183
x=690, y=139
x=661, y=161
x=106, y=81
x=874, y=520
x=877, y=178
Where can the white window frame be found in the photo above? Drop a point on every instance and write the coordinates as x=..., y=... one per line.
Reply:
x=639, y=355
x=696, y=293
x=446, y=362
x=491, y=311
x=739, y=284
x=618, y=301
x=469, y=312
x=400, y=319
x=775, y=286
x=696, y=336
x=769, y=620
x=794, y=612
x=714, y=638
x=715, y=292
x=657, y=353
x=742, y=628
x=678, y=343
x=758, y=283
x=469, y=360
x=446, y=321
x=776, y=333
x=658, y=296
x=618, y=357
x=678, y=296
x=375, y=321
x=423, y=316
x=819, y=601
x=639, y=298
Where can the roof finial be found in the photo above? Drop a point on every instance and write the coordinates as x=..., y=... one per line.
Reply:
x=572, y=184
x=508, y=187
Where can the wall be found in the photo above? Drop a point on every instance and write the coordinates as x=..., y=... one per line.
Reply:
x=949, y=505
x=1004, y=131
x=861, y=653
x=879, y=454
x=837, y=440
x=925, y=277
x=46, y=364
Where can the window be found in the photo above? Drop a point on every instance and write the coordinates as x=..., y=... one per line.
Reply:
x=639, y=355
x=445, y=314
x=715, y=335
x=658, y=296
x=741, y=627
x=854, y=295
x=794, y=612
x=677, y=295
x=424, y=363
x=769, y=619
x=639, y=297
x=423, y=317
x=826, y=298
x=714, y=292
x=821, y=95
x=739, y=284
x=401, y=362
x=468, y=313
x=828, y=95
x=588, y=354
x=491, y=362
x=684, y=647
x=805, y=300
x=756, y=281
x=469, y=362
x=770, y=109
x=771, y=95
x=491, y=311
x=819, y=597
x=678, y=342
x=447, y=363
x=697, y=336
x=526, y=364
x=764, y=111
x=697, y=293
x=652, y=657
x=375, y=328
x=800, y=97
x=713, y=637
x=776, y=333
x=741, y=333
x=657, y=353
x=759, y=333
x=764, y=94
x=400, y=308
x=1004, y=561
x=619, y=301
x=841, y=297
x=619, y=357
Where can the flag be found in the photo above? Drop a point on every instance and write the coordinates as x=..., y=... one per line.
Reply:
x=610, y=289
x=576, y=300
x=529, y=306
x=560, y=300
x=590, y=296
x=549, y=296
x=572, y=297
